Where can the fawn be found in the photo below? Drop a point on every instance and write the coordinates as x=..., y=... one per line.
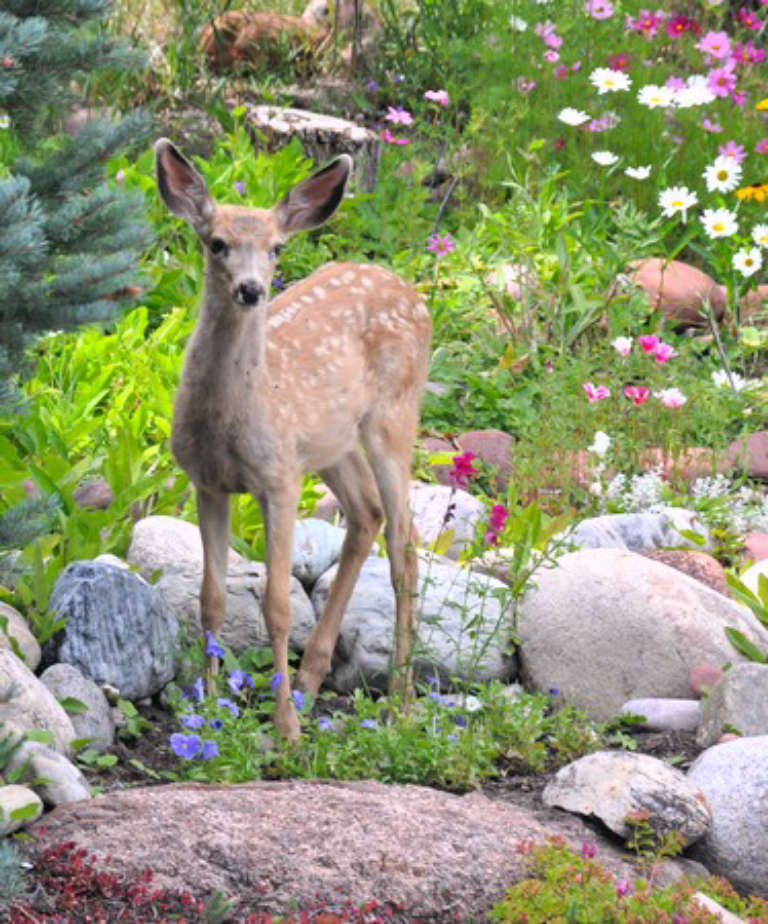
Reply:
x=326, y=377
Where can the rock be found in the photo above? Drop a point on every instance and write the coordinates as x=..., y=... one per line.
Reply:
x=119, y=629
x=16, y=628
x=322, y=137
x=611, y=784
x=752, y=306
x=433, y=445
x=107, y=558
x=607, y=625
x=738, y=701
x=327, y=507
x=751, y=577
x=244, y=626
x=702, y=677
x=438, y=509
x=756, y=546
x=678, y=291
x=316, y=546
x=698, y=565
x=686, y=465
x=639, y=532
x=54, y=778
x=449, y=599
x=14, y=798
x=281, y=845
x=734, y=779
x=493, y=448
x=95, y=494
x=27, y=704
x=751, y=456
x=162, y=543
x=665, y=714
x=64, y=680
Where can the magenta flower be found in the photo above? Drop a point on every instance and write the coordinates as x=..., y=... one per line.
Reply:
x=637, y=394
x=438, y=96
x=648, y=342
x=738, y=98
x=680, y=24
x=647, y=23
x=721, y=80
x=747, y=54
x=709, y=126
x=525, y=86
x=749, y=19
x=622, y=888
x=599, y=9
x=716, y=44
x=551, y=56
x=496, y=521
x=619, y=62
x=762, y=146
x=664, y=352
x=398, y=116
x=595, y=392
x=588, y=849
x=732, y=149
x=561, y=71
x=441, y=244
x=389, y=138
x=462, y=469
x=576, y=66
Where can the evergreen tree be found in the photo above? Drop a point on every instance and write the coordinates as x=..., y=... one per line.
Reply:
x=69, y=243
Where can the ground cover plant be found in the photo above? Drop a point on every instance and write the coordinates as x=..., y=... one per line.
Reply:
x=530, y=151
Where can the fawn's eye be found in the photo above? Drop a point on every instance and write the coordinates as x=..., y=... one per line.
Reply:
x=217, y=246
x=275, y=251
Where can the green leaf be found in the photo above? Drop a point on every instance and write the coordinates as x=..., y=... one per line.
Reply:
x=73, y=706
x=41, y=736
x=26, y=812
x=105, y=761
x=743, y=644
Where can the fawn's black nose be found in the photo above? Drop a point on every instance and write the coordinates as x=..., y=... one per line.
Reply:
x=250, y=292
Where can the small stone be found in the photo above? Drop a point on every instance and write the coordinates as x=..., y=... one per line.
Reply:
x=756, y=546
x=702, y=677
x=665, y=714
x=737, y=702
x=54, y=778
x=678, y=290
x=698, y=565
x=13, y=798
x=751, y=456
x=96, y=495
x=18, y=630
x=639, y=532
x=493, y=448
x=66, y=681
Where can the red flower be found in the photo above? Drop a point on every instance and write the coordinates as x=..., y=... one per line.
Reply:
x=637, y=394
x=462, y=469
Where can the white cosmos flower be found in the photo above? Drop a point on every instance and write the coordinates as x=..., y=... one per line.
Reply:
x=760, y=235
x=747, y=261
x=655, y=97
x=608, y=80
x=605, y=158
x=719, y=222
x=694, y=93
x=670, y=397
x=518, y=24
x=622, y=345
x=638, y=173
x=600, y=444
x=676, y=199
x=723, y=175
x=572, y=116
x=721, y=380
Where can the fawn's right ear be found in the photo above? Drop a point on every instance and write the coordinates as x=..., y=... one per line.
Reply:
x=181, y=186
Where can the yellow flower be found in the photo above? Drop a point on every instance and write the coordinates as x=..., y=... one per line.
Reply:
x=762, y=106
x=756, y=191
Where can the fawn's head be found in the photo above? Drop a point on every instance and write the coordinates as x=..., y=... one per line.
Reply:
x=242, y=244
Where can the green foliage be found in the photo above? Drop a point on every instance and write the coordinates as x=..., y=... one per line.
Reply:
x=758, y=603
x=10, y=742
x=12, y=881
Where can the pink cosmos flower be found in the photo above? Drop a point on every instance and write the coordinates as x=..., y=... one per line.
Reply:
x=389, y=138
x=576, y=66
x=622, y=887
x=647, y=23
x=438, y=96
x=747, y=54
x=709, y=126
x=675, y=83
x=648, y=342
x=671, y=397
x=680, y=24
x=462, y=469
x=525, y=86
x=622, y=345
x=732, y=149
x=762, y=146
x=749, y=19
x=441, y=244
x=637, y=394
x=599, y=9
x=552, y=40
x=398, y=116
x=551, y=56
x=561, y=71
x=737, y=98
x=595, y=392
x=664, y=352
x=721, y=80
x=620, y=61
x=716, y=44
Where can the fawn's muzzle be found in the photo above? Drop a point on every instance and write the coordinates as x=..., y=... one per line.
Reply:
x=249, y=293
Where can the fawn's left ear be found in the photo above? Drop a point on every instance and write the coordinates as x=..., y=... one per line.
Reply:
x=312, y=201
x=181, y=186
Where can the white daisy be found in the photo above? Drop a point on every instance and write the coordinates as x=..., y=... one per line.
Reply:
x=676, y=199
x=760, y=235
x=638, y=173
x=723, y=175
x=694, y=93
x=605, y=158
x=518, y=24
x=746, y=261
x=608, y=80
x=719, y=222
x=572, y=116
x=655, y=97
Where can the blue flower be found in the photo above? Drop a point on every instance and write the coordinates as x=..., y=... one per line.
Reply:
x=435, y=697
x=275, y=682
x=452, y=739
x=197, y=693
x=460, y=720
x=298, y=699
x=209, y=750
x=433, y=682
x=215, y=724
x=192, y=720
x=240, y=187
x=238, y=678
x=371, y=86
x=185, y=746
x=278, y=282
x=325, y=724
x=212, y=648
x=553, y=691
x=368, y=723
x=228, y=704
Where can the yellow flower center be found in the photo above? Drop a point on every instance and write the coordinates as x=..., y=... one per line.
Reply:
x=722, y=174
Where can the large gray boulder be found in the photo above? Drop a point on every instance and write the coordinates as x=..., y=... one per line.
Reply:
x=608, y=625
x=734, y=779
x=66, y=681
x=464, y=625
x=611, y=784
x=737, y=702
x=119, y=630
x=316, y=546
x=27, y=704
x=640, y=532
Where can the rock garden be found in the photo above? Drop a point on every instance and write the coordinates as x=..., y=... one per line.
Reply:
x=575, y=191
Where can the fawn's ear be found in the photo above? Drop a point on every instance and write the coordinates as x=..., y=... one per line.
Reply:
x=181, y=186
x=312, y=201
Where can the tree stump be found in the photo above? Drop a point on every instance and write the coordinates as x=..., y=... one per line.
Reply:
x=323, y=137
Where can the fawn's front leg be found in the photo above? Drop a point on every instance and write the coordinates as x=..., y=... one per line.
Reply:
x=213, y=516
